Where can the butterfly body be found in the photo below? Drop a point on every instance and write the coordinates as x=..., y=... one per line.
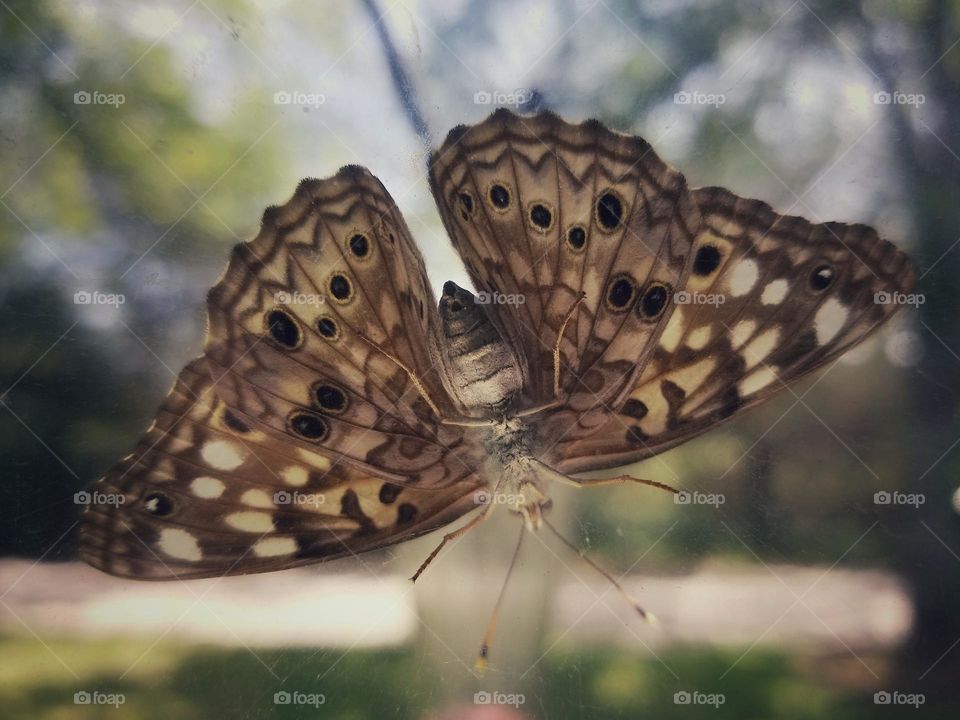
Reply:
x=482, y=373
x=338, y=407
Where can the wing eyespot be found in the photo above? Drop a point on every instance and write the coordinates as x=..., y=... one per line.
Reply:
x=330, y=398
x=308, y=426
x=609, y=210
x=328, y=328
x=821, y=277
x=359, y=245
x=158, y=504
x=341, y=288
x=283, y=329
x=653, y=301
x=541, y=215
x=621, y=293
x=576, y=238
x=500, y=197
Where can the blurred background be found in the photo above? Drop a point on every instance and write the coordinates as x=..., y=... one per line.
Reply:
x=141, y=140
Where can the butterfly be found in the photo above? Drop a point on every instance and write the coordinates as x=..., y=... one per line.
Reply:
x=338, y=407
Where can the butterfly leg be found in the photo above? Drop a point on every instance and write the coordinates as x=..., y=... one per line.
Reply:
x=549, y=473
x=648, y=616
x=556, y=345
x=450, y=536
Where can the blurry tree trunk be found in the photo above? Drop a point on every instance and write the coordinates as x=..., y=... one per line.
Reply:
x=931, y=169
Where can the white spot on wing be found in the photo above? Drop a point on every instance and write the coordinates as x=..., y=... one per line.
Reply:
x=250, y=521
x=257, y=498
x=761, y=346
x=699, y=337
x=829, y=319
x=320, y=462
x=744, y=277
x=775, y=292
x=271, y=547
x=222, y=454
x=742, y=332
x=207, y=487
x=757, y=381
x=295, y=475
x=671, y=333
x=179, y=544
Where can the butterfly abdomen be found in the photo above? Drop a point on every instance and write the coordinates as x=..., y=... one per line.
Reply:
x=480, y=369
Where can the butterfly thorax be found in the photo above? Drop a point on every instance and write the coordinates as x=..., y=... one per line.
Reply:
x=512, y=472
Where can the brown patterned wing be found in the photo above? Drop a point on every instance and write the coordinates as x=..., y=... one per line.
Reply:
x=205, y=494
x=303, y=320
x=769, y=299
x=541, y=211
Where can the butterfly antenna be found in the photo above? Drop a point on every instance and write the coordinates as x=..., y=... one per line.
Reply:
x=480, y=665
x=556, y=345
x=413, y=377
x=648, y=616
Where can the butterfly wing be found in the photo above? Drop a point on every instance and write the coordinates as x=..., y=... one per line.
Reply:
x=541, y=211
x=770, y=298
x=300, y=389
x=205, y=495
x=303, y=320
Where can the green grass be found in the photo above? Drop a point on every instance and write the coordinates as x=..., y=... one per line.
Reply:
x=196, y=683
